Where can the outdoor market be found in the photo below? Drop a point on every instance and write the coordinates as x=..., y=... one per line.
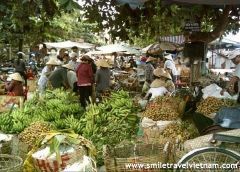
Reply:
x=73, y=103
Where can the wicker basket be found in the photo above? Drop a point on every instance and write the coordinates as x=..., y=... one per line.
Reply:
x=117, y=159
x=10, y=163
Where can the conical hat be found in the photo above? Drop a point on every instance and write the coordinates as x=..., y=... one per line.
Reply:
x=16, y=76
x=52, y=61
x=68, y=66
x=157, y=83
x=169, y=57
x=161, y=72
x=102, y=63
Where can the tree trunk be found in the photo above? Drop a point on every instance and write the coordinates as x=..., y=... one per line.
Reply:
x=20, y=44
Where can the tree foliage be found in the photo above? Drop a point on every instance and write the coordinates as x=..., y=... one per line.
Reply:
x=35, y=21
x=157, y=18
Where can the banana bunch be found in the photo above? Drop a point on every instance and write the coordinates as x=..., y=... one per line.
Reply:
x=111, y=121
x=73, y=124
x=6, y=123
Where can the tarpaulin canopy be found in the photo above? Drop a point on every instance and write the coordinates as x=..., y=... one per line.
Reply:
x=118, y=48
x=159, y=47
x=224, y=44
x=177, y=39
x=69, y=44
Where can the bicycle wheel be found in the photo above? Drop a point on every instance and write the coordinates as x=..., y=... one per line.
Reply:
x=209, y=159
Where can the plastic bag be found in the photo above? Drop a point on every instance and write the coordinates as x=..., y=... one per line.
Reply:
x=214, y=90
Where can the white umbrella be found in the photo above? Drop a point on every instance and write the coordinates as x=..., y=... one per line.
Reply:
x=69, y=44
x=118, y=48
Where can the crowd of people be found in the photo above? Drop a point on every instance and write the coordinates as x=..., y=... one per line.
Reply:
x=85, y=75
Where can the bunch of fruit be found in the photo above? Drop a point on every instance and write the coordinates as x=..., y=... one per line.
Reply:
x=212, y=105
x=34, y=132
x=181, y=131
x=163, y=108
x=111, y=121
x=55, y=106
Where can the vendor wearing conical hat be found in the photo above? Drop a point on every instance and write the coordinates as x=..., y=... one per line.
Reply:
x=15, y=87
x=149, y=67
x=47, y=70
x=161, y=85
x=103, y=76
x=165, y=78
x=169, y=65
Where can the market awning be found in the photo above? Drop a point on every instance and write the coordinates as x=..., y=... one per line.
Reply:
x=179, y=39
x=69, y=44
x=118, y=48
x=156, y=48
x=224, y=44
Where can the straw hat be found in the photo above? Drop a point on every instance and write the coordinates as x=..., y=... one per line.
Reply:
x=150, y=59
x=169, y=57
x=161, y=72
x=20, y=52
x=68, y=66
x=73, y=54
x=52, y=61
x=157, y=83
x=16, y=76
x=102, y=63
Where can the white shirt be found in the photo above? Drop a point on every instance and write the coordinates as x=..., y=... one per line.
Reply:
x=42, y=82
x=237, y=74
x=72, y=78
x=171, y=65
x=160, y=91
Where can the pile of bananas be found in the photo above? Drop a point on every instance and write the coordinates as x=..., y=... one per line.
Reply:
x=163, y=108
x=57, y=106
x=111, y=121
x=212, y=105
x=33, y=133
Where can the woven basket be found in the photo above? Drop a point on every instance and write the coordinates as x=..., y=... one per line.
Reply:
x=10, y=163
x=117, y=159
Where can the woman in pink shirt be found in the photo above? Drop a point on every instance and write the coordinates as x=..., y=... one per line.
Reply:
x=85, y=80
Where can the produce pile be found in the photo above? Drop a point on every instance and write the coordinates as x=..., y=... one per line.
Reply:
x=182, y=131
x=111, y=122
x=212, y=105
x=163, y=108
x=58, y=107
x=33, y=133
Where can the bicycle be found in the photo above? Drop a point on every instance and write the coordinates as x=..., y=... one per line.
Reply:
x=213, y=157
